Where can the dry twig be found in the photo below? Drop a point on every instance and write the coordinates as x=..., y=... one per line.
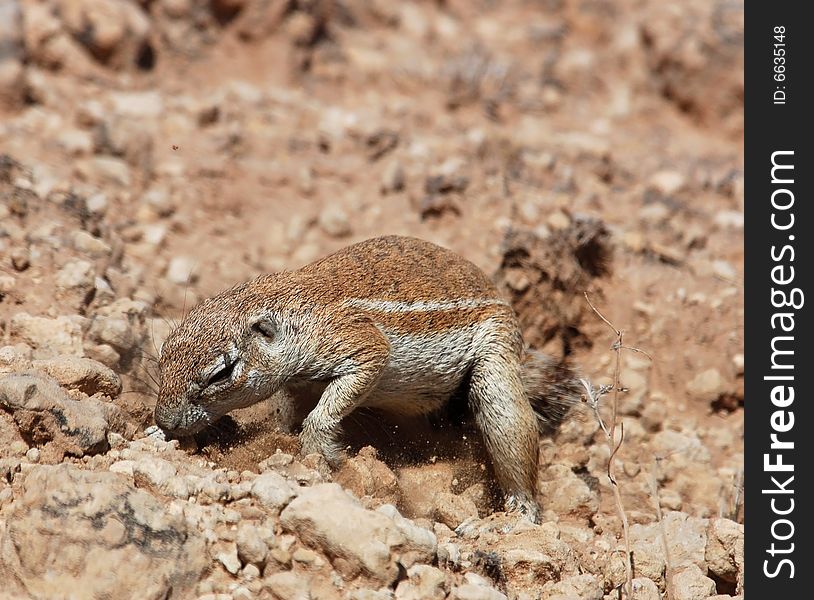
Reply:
x=610, y=434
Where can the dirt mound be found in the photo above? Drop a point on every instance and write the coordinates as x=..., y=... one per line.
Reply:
x=546, y=276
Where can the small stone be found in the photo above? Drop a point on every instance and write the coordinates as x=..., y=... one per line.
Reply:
x=667, y=183
x=724, y=270
x=670, y=499
x=517, y=280
x=707, y=386
x=393, y=178
x=288, y=585
x=228, y=558
x=634, y=241
x=584, y=587
x=76, y=274
x=251, y=549
x=644, y=589
x=273, y=491
x=18, y=448
x=558, y=220
x=452, y=510
x=81, y=374
x=424, y=583
x=250, y=572
x=20, y=258
x=738, y=363
x=106, y=168
x=691, y=584
x=470, y=591
x=7, y=284
x=181, y=270
x=76, y=142
x=160, y=201
x=306, y=557
x=654, y=414
x=147, y=104
x=90, y=245
x=96, y=203
x=724, y=551
x=373, y=542
x=303, y=28
x=33, y=455
x=50, y=337
x=668, y=254
x=153, y=472
x=335, y=222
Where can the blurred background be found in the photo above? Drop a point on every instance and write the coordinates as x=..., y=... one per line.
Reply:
x=154, y=152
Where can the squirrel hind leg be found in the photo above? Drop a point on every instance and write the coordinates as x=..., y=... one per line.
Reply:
x=552, y=387
x=509, y=428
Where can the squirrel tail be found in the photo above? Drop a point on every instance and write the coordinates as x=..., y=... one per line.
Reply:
x=553, y=388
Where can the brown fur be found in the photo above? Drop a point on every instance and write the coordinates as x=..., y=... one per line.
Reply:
x=394, y=323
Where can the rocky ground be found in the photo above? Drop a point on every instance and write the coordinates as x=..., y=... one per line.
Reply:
x=153, y=152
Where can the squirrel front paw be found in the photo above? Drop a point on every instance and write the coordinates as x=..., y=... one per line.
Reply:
x=321, y=442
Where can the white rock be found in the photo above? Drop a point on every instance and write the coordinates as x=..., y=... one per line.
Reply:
x=50, y=337
x=76, y=274
x=328, y=517
x=90, y=245
x=690, y=583
x=181, y=270
x=154, y=471
x=83, y=374
x=667, y=182
x=145, y=105
x=645, y=589
x=707, y=385
x=273, y=491
x=288, y=585
x=251, y=549
x=228, y=558
x=335, y=222
x=96, y=203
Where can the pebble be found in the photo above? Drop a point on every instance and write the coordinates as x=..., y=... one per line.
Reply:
x=181, y=270
x=393, y=178
x=724, y=270
x=691, y=584
x=7, y=283
x=707, y=385
x=18, y=448
x=251, y=548
x=645, y=589
x=90, y=245
x=335, y=222
x=97, y=203
x=20, y=258
x=228, y=558
x=76, y=274
x=668, y=183
x=33, y=455
x=288, y=585
x=160, y=201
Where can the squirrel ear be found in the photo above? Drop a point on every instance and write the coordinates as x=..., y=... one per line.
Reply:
x=266, y=327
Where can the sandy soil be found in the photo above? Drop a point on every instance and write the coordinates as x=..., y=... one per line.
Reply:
x=154, y=153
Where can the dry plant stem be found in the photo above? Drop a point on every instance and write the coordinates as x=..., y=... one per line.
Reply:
x=654, y=490
x=610, y=434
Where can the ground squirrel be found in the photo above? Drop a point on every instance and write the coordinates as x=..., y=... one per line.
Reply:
x=394, y=323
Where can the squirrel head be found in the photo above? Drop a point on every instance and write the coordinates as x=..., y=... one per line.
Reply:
x=229, y=352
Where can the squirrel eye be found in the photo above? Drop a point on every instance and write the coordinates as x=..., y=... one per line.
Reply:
x=224, y=373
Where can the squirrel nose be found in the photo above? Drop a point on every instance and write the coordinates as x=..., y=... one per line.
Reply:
x=168, y=420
